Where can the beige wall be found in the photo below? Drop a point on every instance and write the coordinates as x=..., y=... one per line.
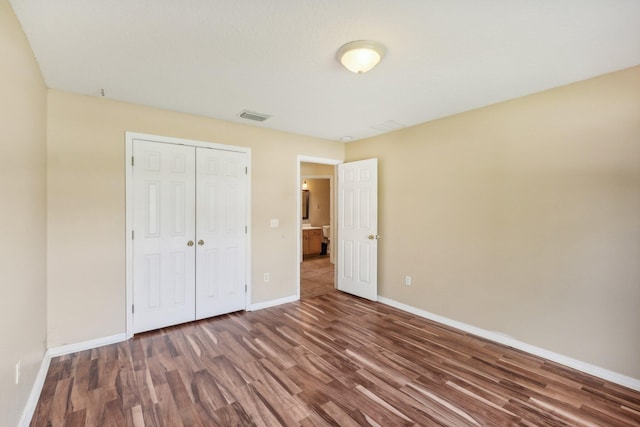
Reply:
x=316, y=169
x=86, y=205
x=22, y=216
x=522, y=218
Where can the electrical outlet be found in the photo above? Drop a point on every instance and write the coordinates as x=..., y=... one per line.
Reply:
x=18, y=371
x=407, y=280
x=266, y=277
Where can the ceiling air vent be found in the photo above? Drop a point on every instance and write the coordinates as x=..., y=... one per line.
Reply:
x=250, y=115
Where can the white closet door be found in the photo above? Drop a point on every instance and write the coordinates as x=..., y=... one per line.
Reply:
x=220, y=231
x=164, y=226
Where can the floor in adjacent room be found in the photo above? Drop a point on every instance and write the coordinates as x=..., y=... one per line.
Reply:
x=332, y=359
x=316, y=276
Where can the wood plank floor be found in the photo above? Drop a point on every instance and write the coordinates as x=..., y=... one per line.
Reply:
x=316, y=276
x=329, y=360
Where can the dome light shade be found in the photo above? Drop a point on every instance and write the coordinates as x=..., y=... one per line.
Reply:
x=360, y=56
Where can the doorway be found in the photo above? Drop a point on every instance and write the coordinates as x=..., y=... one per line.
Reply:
x=354, y=225
x=316, y=214
x=357, y=228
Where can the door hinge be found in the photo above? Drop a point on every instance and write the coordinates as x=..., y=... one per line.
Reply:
x=245, y=229
x=133, y=308
x=245, y=288
x=132, y=234
x=246, y=170
x=132, y=161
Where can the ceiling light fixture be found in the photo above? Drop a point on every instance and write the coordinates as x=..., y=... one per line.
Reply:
x=360, y=56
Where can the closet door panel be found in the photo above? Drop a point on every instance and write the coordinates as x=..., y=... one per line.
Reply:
x=221, y=233
x=164, y=223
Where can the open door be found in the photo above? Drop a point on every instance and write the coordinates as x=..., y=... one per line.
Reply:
x=358, y=228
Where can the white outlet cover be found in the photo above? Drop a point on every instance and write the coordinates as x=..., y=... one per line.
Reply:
x=275, y=223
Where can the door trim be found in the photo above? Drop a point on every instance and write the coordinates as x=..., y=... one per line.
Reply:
x=129, y=138
x=323, y=161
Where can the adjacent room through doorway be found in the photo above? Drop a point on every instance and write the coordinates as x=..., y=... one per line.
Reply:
x=317, y=272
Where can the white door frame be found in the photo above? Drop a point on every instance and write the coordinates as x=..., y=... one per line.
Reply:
x=323, y=161
x=129, y=137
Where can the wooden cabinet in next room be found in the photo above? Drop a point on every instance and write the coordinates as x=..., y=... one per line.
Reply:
x=311, y=242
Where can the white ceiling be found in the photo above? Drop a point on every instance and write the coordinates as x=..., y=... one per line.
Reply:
x=218, y=57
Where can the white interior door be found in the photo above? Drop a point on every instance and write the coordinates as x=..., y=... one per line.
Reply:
x=358, y=228
x=221, y=232
x=164, y=232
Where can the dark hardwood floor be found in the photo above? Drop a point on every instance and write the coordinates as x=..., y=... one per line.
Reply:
x=316, y=276
x=329, y=360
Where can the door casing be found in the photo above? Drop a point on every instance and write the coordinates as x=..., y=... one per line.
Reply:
x=129, y=138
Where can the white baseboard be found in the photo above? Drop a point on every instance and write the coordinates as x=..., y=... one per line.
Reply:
x=86, y=345
x=272, y=303
x=497, y=337
x=34, y=396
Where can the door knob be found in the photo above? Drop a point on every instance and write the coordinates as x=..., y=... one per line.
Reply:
x=200, y=242
x=190, y=243
x=373, y=237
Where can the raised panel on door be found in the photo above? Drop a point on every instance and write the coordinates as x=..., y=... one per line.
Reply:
x=164, y=223
x=357, y=228
x=220, y=232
